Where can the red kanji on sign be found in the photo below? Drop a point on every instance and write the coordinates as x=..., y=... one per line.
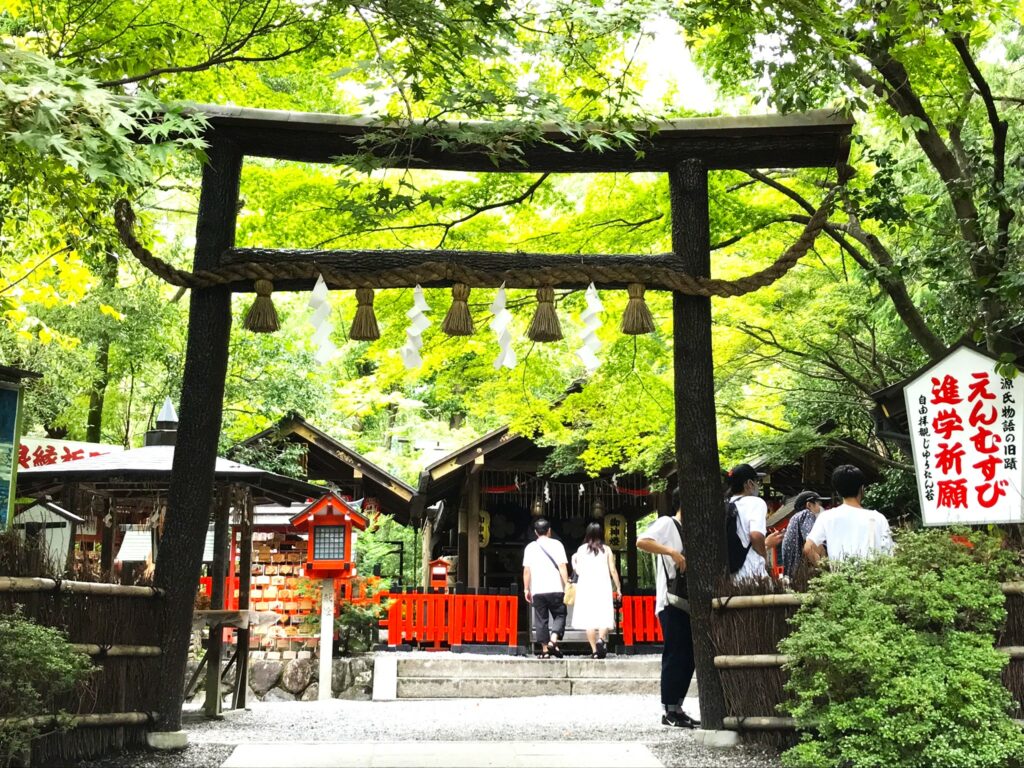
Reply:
x=70, y=455
x=945, y=391
x=947, y=422
x=979, y=388
x=976, y=418
x=23, y=457
x=980, y=437
x=990, y=493
x=952, y=493
x=44, y=455
x=988, y=467
x=948, y=457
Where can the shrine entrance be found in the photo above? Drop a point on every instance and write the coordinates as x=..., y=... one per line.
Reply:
x=686, y=150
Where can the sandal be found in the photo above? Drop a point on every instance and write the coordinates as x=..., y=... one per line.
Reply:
x=544, y=655
x=555, y=651
x=596, y=656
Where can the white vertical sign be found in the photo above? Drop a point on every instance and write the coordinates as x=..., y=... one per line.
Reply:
x=966, y=432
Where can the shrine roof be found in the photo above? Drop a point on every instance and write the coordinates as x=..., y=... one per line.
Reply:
x=331, y=460
x=153, y=464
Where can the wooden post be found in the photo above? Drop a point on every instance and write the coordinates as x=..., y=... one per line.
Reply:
x=326, y=637
x=631, y=558
x=218, y=601
x=202, y=396
x=428, y=534
x=696, y=432
x=107, y=541
x=473, y=549
x=244, y=587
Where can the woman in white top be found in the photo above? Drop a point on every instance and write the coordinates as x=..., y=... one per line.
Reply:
x=593, y=610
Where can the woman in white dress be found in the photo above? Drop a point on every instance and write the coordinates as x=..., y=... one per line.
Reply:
x=593, y=611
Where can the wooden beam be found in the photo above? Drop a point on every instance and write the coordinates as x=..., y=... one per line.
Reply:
x=202, y=394
x=752, y=661
x=788, y=599
x=791, y=141
x=695, y=429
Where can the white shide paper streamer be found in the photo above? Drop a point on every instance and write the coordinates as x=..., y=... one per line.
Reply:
x=320, y=320
x=591, y=323
x=500, y=325
x=418, y=323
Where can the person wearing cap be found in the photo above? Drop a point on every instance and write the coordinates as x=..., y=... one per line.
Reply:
x=848, y=530
x=744, y=484
x=806, y=508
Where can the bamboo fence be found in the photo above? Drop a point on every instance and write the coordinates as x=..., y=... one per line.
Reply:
x=746, y=630
x=119, y=627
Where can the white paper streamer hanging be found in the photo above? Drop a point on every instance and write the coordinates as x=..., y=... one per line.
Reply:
x=591, y=323
x=547, y=494
x=418, y=323
x=320, y=320
x=500, y=325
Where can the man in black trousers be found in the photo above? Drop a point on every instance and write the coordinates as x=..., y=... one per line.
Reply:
x=664, y=539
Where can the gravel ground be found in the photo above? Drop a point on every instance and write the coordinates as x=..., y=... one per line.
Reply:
x=556, y=718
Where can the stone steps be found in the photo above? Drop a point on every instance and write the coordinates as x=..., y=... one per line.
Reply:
x=459, y=676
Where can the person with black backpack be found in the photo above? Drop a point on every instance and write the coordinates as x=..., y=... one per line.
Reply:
x=751, y=528
x=664, y=539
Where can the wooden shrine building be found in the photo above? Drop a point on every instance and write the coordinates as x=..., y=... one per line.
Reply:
x=488, y=493
x=327, y=460
x=686, y=151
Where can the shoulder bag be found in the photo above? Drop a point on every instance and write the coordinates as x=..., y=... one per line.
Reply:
x=676, y=594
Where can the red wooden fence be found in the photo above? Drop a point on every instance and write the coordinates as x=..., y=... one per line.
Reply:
x=639, y=623
x=438, y=618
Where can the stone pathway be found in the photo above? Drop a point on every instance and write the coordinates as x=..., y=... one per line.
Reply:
x=444, y=754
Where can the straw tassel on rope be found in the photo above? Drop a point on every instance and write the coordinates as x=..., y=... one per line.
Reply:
x=364, y=324
x=545, y=325
x=458, y=321
x=262, y=316
x=637, y=318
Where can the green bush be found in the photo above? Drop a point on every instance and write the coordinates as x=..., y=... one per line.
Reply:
x=37, y=668
x=893, y=661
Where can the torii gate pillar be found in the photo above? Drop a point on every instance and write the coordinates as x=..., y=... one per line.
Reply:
x=699, y=473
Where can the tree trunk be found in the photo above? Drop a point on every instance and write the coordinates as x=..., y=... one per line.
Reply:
x=191, y=488
x=700, y=484
x=98, y=393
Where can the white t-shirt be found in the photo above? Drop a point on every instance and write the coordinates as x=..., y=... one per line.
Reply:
x=753, y=516
x=664, y=531
x=544, y=575
x=847, y=532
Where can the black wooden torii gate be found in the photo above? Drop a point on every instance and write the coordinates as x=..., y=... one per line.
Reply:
x=684, y=149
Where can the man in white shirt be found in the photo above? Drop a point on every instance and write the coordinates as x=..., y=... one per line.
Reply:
x=848, y=530
x=664, y=540
x=752, y=521
x=544, y=578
